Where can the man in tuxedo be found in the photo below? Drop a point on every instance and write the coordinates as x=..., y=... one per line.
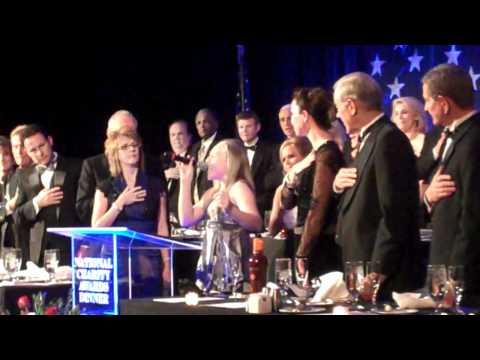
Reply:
x=263, y=159
x=453, y=195
x=95, y=169
x=378, y=209
x=285, y=121
x=180, y=140
x=207, y=128
x=7, y=195
x=46, y=196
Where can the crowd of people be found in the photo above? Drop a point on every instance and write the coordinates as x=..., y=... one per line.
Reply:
x=348, y=183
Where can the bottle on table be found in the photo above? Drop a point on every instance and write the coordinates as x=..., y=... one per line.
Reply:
x=258, y=266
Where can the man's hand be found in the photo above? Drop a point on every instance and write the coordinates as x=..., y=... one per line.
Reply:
x=48, y=197
x=345, y=179
x=441, y=187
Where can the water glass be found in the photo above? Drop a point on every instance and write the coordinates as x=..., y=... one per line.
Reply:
x=371, y=293
x=51, y=260
x=12, y=260
x=301, y=271
x=437, y=284
x=354, y=276
x=266, y=220
x=283, y=272
x=456, y=278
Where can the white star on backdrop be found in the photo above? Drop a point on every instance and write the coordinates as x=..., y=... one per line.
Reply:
x=401, y=47
x=377, y=66
x=474, y=77
x=453, y=55
x=395, y=88
x=415, y=61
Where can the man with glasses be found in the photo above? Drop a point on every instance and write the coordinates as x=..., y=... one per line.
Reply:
x=46, y=197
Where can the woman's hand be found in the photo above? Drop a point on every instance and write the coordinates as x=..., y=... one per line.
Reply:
x=131, y=195
x=222, y=200
x=186, y=170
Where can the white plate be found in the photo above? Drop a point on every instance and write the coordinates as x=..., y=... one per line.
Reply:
x=396, y=312
x=307, y=310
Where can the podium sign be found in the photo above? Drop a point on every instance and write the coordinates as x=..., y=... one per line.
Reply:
x=98, y=269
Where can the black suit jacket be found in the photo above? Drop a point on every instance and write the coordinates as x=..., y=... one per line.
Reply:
x=266, y=173
x=95, y=170
x=378, y=216
x=8, y=234
x=426, y=163
x=456, y=219
x=202, y=179
x=64, y=214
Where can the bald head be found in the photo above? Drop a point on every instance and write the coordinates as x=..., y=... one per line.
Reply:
x=121, y=118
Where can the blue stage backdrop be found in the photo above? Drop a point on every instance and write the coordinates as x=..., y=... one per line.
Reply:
x=398, y=68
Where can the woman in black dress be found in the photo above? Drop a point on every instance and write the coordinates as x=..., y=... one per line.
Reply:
x=309, y=183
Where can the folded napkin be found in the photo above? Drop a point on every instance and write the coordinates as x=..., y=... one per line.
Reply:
x=412, y=300
x=63, y=273
x=33, y=272
x=332, y=287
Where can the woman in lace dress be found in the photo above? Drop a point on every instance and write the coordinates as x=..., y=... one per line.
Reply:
x=231, y=213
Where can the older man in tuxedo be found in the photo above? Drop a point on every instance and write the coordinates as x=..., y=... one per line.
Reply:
x=378, y=209
x=453, y=195
x=46, y=195
x=180, y=140
x=95, y=169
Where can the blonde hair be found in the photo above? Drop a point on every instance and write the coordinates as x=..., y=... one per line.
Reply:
x=112, y=147
x=18, y=131
x=416, y=107
x=301, y=143
x=237, y=163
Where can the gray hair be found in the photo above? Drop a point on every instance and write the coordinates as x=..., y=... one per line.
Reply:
x=362, y=87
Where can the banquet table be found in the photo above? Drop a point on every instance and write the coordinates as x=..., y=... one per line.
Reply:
x=211, y=306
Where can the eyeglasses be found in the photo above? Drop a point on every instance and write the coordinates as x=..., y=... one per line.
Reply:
x=134, y=146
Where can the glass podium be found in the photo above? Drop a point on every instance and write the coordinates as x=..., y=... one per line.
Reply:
x=105, y=259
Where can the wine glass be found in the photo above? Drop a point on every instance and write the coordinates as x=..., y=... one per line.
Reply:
x=50, y=261
x=266, y=220
x=301, y=271
x=354, y=275
x=373, y=281
x=437, y=284
x=236, y=274
x=456, y=280
x=283, y=273
x=12, y=260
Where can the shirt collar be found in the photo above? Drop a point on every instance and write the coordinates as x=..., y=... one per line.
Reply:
x=207, y=142
x=365, y=128
x=254, y=142
x=456, y=123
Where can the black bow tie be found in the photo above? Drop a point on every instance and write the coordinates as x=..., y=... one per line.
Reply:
x=448, y=132
x=253, y=147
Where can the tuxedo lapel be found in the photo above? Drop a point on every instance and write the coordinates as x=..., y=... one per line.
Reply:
x=257, y=158
x=457, y=138
x=58, y=180
x=360, y=163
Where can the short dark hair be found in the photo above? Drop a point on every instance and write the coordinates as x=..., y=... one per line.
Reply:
x=451, y=81
x=210, y=114
x=33, y=129
x=318, y=103
x=247, y=115
x=180, y=121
